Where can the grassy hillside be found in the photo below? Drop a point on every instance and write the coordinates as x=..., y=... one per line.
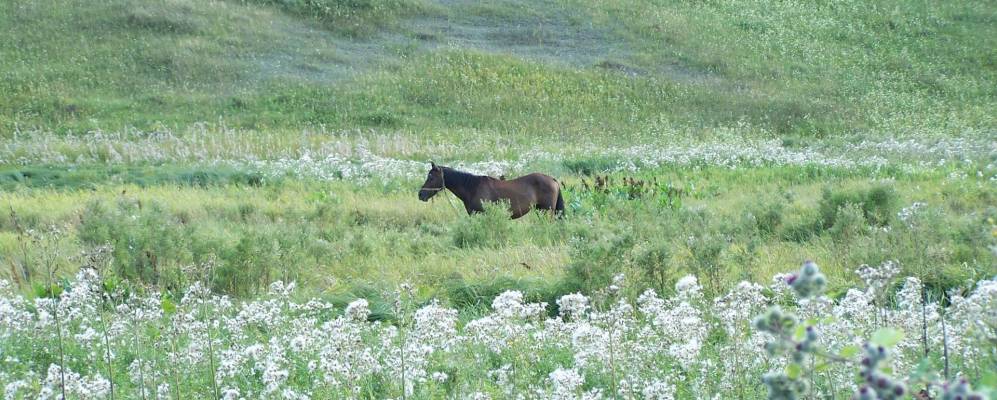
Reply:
x=553, y=67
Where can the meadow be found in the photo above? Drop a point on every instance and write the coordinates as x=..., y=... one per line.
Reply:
x=217, y=199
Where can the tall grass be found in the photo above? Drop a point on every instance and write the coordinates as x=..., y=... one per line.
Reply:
x=794, y=70
x=339, y=236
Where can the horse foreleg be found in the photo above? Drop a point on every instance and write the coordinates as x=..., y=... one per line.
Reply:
x=473, y=208
x=519, y=213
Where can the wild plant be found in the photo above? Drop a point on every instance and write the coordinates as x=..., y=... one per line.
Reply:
x=800, y=342
x=281, y=345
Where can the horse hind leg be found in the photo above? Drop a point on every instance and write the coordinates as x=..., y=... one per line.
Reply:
x=550, y=205
x=559, y=205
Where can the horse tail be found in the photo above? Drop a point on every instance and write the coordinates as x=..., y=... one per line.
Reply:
x=559, y=206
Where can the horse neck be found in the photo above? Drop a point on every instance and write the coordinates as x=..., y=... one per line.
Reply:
x=460, y=183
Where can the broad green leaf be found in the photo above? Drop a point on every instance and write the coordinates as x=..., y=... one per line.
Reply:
x=924, y=372
x=989, y=379
x=822, y=367
x=849, y=351
x=168, y=306
x=56, y=291
x=800, y=333
x=41, y=291
x=887, y=337
x=793, y=370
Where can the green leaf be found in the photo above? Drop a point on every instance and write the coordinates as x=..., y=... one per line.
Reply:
x=168, y=306
x=810, y=322
x=989, y=379
x=849, y=351
x=40, y=291
x=924, y=372
x=822, y=367
x=801, y=332
x=793, y=370
x=110, y=285
x=887, y=337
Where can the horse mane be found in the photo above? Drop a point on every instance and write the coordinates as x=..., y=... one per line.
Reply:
x=460, y=178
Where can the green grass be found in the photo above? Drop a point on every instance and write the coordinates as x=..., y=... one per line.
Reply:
x=788, y=69
x=55, y=177
x=337, y=237
x=137, y=123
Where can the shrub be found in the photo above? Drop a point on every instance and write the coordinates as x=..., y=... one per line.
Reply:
x=157, y=247
x=144, y=237
x=849, y=223
x=490, y=228
x=879, y=204
x=768, y=215
x=594, y=261
x=248, y=266
x=800, y=230
x=706, y=250
x=654, y=262
x=590, y=165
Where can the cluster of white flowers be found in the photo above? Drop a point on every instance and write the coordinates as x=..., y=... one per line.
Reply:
x=565, y=384
x=878, y=278
x=511, y=321
x=735, y=311
x=60, y=380
x=573, y=306
x=972, y=319
x=280, y=347
x=677, y=324
x=361, y=155
x=907, y=214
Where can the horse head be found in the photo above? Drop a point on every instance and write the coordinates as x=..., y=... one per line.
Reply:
x=434, y=183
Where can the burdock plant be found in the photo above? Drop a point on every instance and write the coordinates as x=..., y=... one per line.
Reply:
x=878, y=385
x=799, y=341
x=809, y=282
x=791, y=337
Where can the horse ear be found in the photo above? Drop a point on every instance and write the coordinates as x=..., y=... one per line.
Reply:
x=432, y=164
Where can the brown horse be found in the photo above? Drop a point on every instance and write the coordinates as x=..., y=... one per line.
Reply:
x=524, y=193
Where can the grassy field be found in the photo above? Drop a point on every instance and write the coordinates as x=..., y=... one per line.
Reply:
x=235, y=144
x=511, y=69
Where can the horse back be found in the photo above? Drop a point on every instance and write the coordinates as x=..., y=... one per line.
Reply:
x=538, y=179
x=531, y=184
